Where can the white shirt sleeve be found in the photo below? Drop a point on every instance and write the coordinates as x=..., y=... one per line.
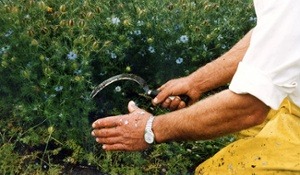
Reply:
x=270, y=69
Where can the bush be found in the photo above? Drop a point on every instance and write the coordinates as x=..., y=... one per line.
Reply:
x=53, y=53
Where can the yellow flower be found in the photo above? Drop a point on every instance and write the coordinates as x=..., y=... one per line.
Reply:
x=34, y=42
x=49, y=9
x=78, y=78
x=89, y=14
x=50, y=130
x=128, y=69
x=150, y=40
x=127, y=22
x=62, y=8
x=95, y=45
x=4, y=64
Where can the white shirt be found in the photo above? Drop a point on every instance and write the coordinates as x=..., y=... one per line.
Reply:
x=270, y=69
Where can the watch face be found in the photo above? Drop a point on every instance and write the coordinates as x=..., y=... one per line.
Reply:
x=149, y=137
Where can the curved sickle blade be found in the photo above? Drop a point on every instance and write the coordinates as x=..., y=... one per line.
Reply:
x=120, y=77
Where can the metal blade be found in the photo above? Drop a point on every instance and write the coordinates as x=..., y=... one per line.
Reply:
x=120, y=77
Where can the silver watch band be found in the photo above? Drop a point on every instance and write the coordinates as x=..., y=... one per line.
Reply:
x=149, y=123
x=149, y=135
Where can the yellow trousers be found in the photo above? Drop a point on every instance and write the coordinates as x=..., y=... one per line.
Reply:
x=269, y=149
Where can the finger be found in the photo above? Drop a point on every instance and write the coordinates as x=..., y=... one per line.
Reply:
x=105, y=132
x=115, y=147
x=181, y=105
x=123, y=147
x=107, y=122
x=166, y=103
x=160, y=98
x=132, y=107
x=162, y=87
x=175, y=103
x=165, y=91
x=162, y=95
x=109, y=141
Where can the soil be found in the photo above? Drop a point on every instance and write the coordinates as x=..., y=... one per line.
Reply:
x=82, y=170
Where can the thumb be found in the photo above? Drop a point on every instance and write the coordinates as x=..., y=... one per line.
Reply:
x=132, y=107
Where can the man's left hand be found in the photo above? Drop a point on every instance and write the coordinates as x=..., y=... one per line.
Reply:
x=123, y=132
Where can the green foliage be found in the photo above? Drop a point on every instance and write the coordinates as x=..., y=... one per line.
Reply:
x=9, y=160
x=54, y=52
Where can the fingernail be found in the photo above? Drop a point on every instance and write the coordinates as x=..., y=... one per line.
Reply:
x=103, y=146
x=155, y=100
x=132, y=103
x=94, y=125
x=93, y=133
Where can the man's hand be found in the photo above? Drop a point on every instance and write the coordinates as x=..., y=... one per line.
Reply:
x=176, y=87
x=123, y=132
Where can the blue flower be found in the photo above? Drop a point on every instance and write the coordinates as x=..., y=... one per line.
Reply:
x=3, y=49
x=193, y=4
x=27, y=16
x=78, y=71
x=179, y=60
x=137, y=32
x=223, y=46
x=142, y=53
x=252, y=19
x=118, y=88
x=8, y=33
x=58, y=88
x=140, y=23
x=205, y=47
x=220, y=37
x=184, y=39
x=177, y=27
x=72, y=55
x=113, y=55
x=151, y=49
x=115, y=20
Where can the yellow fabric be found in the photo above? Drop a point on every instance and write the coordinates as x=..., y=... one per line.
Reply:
x=269, y=149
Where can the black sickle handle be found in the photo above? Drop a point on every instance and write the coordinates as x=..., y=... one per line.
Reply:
x=153, y=93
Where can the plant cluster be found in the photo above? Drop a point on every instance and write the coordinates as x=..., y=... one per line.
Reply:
x=53, y=53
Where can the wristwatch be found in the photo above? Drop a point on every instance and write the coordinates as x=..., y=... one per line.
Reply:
x=149, y=135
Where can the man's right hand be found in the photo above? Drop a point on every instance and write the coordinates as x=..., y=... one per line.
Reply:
x=175, y=88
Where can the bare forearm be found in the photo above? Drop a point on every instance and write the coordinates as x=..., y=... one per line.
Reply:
x=221, y=114
x=220, y=71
